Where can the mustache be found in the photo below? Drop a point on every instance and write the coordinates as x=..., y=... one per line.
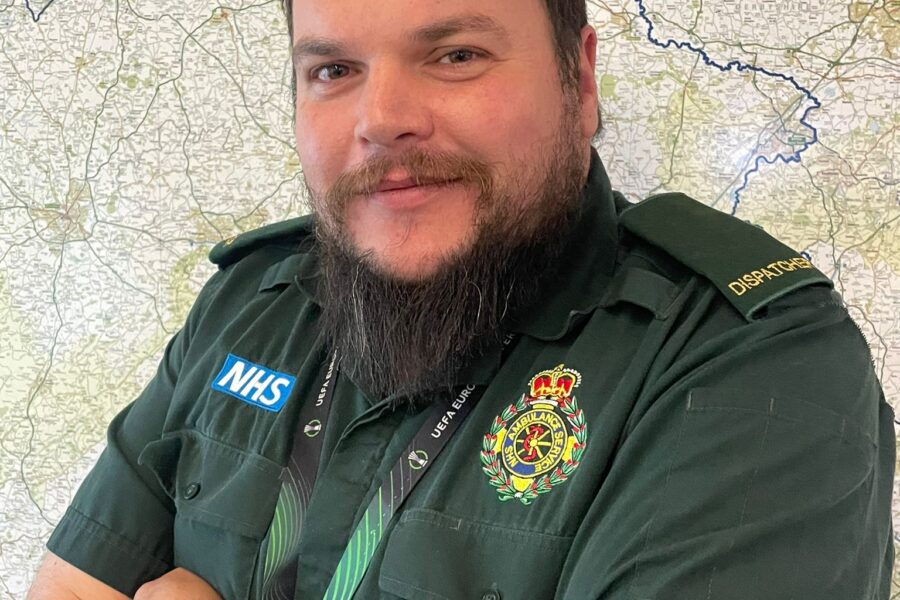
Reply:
x=423, y=167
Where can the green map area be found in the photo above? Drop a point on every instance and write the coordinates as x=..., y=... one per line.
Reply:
x=135, y=135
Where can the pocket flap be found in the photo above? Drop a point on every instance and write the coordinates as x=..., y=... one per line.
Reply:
x=434, y=556
x=214, y=483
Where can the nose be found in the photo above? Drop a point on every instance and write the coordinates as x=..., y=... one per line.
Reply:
x=393, y=110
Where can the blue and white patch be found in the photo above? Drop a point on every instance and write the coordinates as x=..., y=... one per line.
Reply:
x=254, y=384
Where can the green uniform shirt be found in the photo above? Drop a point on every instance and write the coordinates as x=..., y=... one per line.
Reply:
x=719, y=434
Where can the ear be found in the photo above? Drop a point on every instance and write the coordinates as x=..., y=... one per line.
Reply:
x=587, y=82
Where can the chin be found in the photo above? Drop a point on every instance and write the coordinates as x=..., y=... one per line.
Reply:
x=413, y=260
x=409, y=268
x=413, y=264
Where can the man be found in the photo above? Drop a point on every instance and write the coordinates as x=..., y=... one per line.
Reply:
x=503, y=380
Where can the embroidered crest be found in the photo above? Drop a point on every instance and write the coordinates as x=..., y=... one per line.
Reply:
x=537, y=443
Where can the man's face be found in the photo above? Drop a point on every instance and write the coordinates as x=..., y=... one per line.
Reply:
x=414, y=116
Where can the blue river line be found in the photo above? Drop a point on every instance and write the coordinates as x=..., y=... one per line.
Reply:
x=736, y=65
x=36, y=16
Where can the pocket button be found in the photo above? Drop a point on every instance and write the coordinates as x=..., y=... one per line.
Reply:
x=491, y=595
x=191, y=490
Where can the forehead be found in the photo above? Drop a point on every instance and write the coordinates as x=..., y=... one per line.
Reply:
x=395, y=21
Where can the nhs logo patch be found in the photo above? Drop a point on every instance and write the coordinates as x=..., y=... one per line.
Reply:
x=254, y=384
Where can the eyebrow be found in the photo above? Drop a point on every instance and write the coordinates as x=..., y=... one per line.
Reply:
x=427, y=34
x=435, y=32
x=316, y=46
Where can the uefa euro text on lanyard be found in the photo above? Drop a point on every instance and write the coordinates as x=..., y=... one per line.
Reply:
x=404, y=475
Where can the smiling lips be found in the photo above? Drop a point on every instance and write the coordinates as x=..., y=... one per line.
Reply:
x=405, y=194
x=388, y=185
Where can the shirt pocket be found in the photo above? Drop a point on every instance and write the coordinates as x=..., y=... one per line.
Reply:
x=435, y=556
x=767, y=455
x=744, y=491
x=224, y=501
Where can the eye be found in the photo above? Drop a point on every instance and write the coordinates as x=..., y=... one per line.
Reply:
x=460, y=56
x=329, y=72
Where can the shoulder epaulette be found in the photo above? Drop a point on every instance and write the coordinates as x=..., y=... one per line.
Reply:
x=235, y=248
x=750, y=267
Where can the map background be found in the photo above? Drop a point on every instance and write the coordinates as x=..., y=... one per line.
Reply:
x=137, y=134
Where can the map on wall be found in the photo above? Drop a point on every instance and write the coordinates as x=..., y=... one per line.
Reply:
x=134, y=135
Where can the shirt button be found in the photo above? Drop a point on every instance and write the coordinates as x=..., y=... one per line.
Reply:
x=191, y=490
x=491, y=595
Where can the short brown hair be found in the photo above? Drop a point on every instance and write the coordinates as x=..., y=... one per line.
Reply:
x=568, y=18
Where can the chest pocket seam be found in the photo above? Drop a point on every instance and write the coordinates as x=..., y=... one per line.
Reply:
x=484, y=552
x=787, y=409
x=438, y=519
x=429, y=595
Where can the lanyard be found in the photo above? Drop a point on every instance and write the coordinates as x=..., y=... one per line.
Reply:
x=428, y=442
x=297, y=483
x=441, y=423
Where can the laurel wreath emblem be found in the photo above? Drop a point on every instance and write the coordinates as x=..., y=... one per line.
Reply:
x=500, y=479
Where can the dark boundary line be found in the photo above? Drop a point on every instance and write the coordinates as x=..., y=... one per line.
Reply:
x=37, y=16
x=736, y=65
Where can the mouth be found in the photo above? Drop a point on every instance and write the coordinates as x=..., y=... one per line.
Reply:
x=406, y=194
x=390, y=185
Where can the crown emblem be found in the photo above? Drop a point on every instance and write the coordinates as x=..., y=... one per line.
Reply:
x=555, y=383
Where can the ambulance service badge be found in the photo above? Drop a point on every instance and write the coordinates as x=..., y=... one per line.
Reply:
x=537, y=443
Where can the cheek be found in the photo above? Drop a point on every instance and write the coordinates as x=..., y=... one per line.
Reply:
x=503, y=122
x=532, y=115
x=319, y=150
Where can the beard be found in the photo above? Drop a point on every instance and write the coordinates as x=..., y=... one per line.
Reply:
x=406, y=338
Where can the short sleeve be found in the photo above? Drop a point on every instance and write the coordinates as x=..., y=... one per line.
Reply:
x=762, y=470
x=118, y=528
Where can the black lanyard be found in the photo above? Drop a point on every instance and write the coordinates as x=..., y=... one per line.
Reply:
x=297, y=483
x=441, y=423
